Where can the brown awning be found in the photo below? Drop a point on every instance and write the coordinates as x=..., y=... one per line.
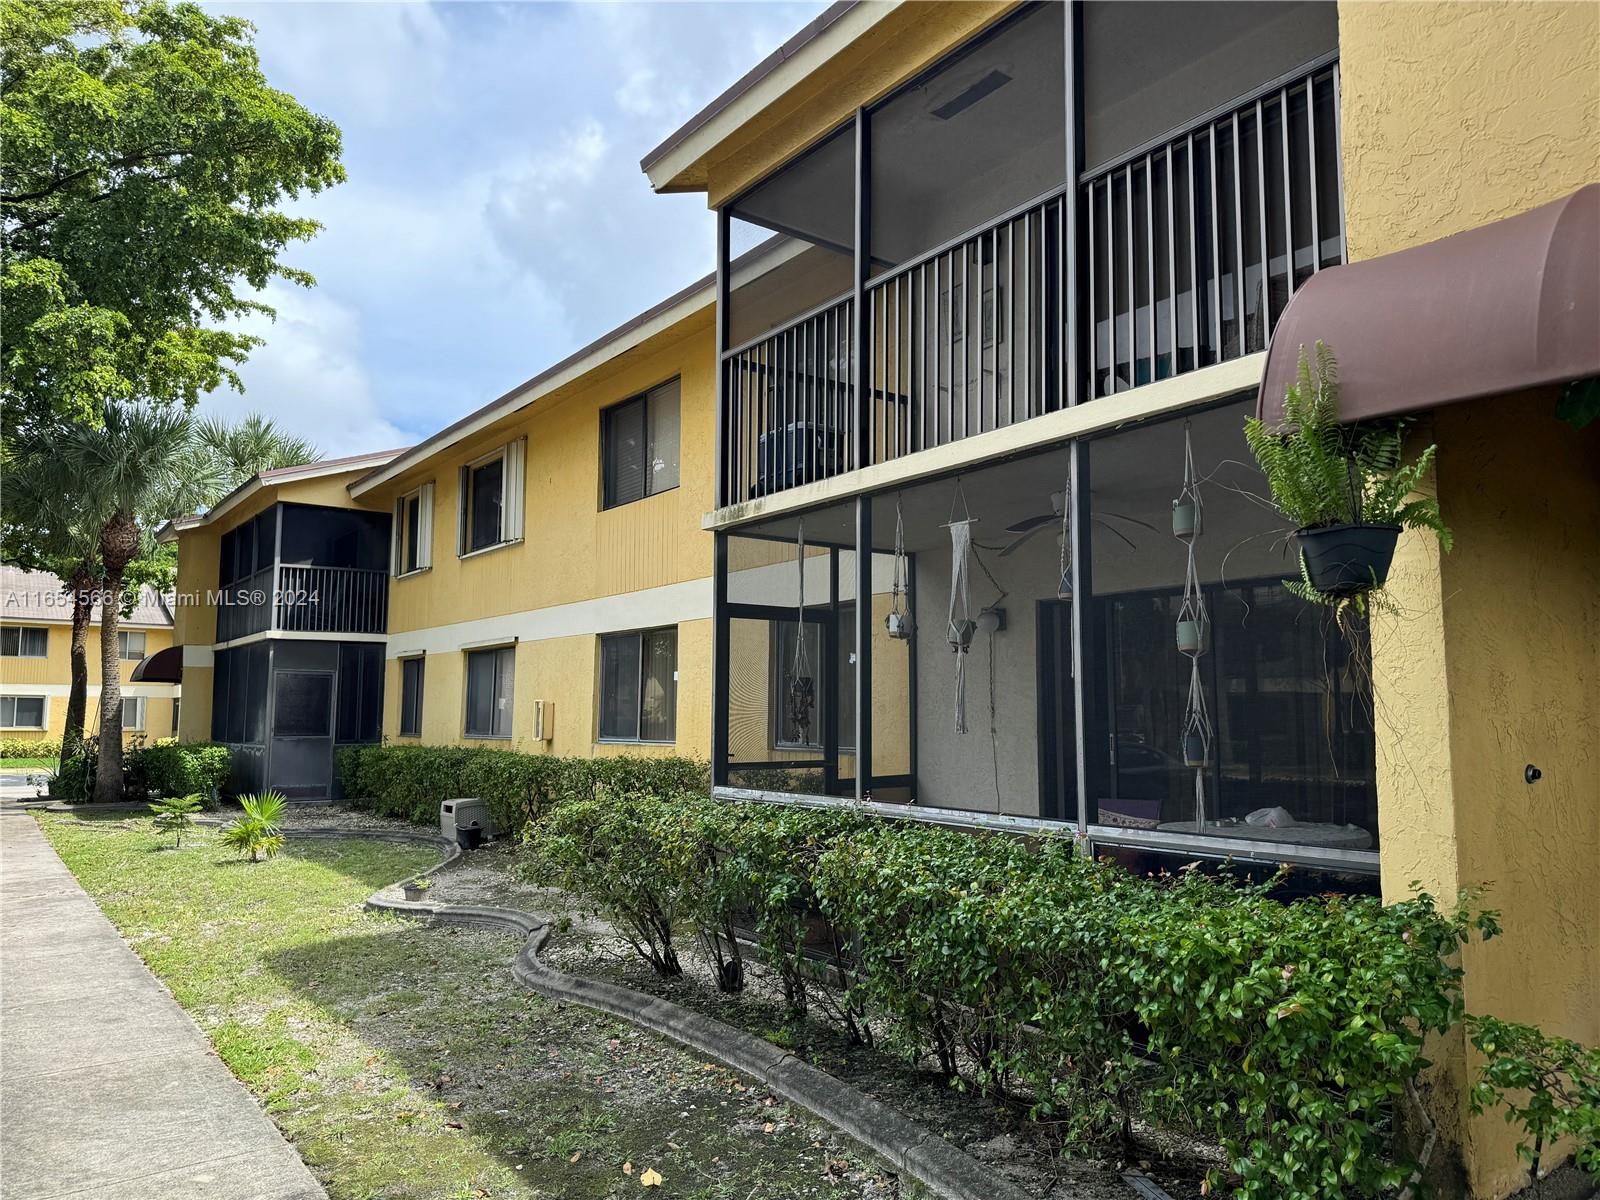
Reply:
x=1511, y=305
x=164, y=666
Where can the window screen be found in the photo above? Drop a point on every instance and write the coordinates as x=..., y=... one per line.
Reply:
x=639, y=445
x=412, y=529
x=411, y=697
x=22, y=712
x=133, y=712
x=360, y=692
x=21, y=642
x=130, y=646
x=484, y=485
x=302, y=704
x=639, y=686
x=490, y=675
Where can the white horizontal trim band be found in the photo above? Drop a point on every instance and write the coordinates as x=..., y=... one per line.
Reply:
x=644, y=609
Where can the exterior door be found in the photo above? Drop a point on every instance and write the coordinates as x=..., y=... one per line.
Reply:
x=300, y=754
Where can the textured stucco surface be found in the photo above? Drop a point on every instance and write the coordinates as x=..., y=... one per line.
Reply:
x=1456, y=114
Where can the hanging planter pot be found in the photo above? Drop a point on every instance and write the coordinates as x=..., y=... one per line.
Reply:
x=1346, y=560
x=1194, y=749
x=1185, y=519
x=1191, y=637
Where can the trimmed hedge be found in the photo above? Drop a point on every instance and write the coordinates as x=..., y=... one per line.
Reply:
x=1285, y=1031
x=170, y=768
x=410, y=781
x=16, y=747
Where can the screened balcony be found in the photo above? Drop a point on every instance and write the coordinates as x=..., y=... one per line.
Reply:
x=1084, y=200
x=301, y=568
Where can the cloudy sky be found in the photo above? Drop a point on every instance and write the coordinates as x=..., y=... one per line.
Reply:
x=495, y=218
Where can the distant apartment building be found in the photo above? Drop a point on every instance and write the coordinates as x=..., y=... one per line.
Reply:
x=36, y=663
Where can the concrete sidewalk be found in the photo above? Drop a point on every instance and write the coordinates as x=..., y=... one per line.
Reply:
x=108, y=1091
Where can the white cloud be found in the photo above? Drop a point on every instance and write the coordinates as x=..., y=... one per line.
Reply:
x=309, y=376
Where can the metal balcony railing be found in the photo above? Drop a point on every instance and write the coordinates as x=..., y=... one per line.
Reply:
x=332, y=600
x=1190, y=248
x=246, y=607
x=1197, y=243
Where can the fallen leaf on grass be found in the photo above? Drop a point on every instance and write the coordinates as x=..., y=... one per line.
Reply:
x=650, y=1178
x=768, y=1127
x=576, y=1155
x=627, y=1168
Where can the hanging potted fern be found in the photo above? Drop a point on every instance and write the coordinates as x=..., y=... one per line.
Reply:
x=1347, y=488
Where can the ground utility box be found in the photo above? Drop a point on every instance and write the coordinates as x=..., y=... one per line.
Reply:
x=465, y=821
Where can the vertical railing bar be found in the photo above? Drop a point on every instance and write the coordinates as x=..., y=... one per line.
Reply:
x=966, y=344
x=1150, y=254
x=1311, y=168
x=1238, y=231
x=1288, y=193
x=994, y=329
x=1194, y=254
x=1093, y=338
x=922, y=357
x=1264, y=307
x=1216, y=250
x=1133, y=312
x=1111, y=286
x=910, y=385
x=1009, y=307
x=1338, y=157
x=1027, y=315
x=1172, y=269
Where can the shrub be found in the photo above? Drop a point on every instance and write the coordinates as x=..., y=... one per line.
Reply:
x=16, y=747
x=170, y=768
x=257, y=832
x=1549, y=1086
x=410, y=781
x=73, y=780
x=1286, y=1031
x=617, y=852
x=175, y=815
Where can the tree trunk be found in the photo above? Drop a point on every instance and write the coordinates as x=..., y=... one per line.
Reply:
x=119, y=542
x=108, y=771
x=78, y=696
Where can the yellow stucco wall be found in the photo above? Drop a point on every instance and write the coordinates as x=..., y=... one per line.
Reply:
x=1455, y=115
x=573, y=552
x=51, y=677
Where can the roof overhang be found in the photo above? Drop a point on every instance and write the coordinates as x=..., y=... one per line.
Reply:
x=350, y=465
x=164, y=666
x=678, y=163
x=1510, y=305
x=628, y=336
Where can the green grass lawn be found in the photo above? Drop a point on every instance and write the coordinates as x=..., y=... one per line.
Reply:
x=27, y=764
x=404, y=1062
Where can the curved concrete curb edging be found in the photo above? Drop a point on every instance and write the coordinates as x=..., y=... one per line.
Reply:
x=898, y=1140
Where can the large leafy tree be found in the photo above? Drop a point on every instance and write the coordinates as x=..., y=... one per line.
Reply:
x=146, y=164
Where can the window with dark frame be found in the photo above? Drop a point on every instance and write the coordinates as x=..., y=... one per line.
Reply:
x=413, y=526
x=411, y=676
x=22, y=641
x=485, y=501
x=130, y=646
x=639, y=686
x=639, y=441
x=491, y=677
x=22, y=712
x=133, y=713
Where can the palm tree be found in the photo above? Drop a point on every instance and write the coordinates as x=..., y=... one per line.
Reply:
x=253, y=444
x=138, y=460
x=44, y=529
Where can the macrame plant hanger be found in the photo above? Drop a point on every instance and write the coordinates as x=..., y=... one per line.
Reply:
x=1064, y=583
x=959, y=623
x=898, y=622
x=801, y=700
x=1193, y=632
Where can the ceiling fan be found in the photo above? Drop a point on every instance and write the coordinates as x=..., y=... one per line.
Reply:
x=1025, y=529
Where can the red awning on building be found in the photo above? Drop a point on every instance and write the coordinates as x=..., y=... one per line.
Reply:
x=1511, y=305
x=164, y=666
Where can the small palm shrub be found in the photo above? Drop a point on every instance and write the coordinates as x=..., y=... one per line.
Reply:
x=257, y=833
x=1323, y=473
x=175, y=815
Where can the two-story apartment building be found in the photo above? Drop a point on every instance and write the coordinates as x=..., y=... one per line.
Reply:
x=1030, y=260
x=36, y=662
x=282, y=607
